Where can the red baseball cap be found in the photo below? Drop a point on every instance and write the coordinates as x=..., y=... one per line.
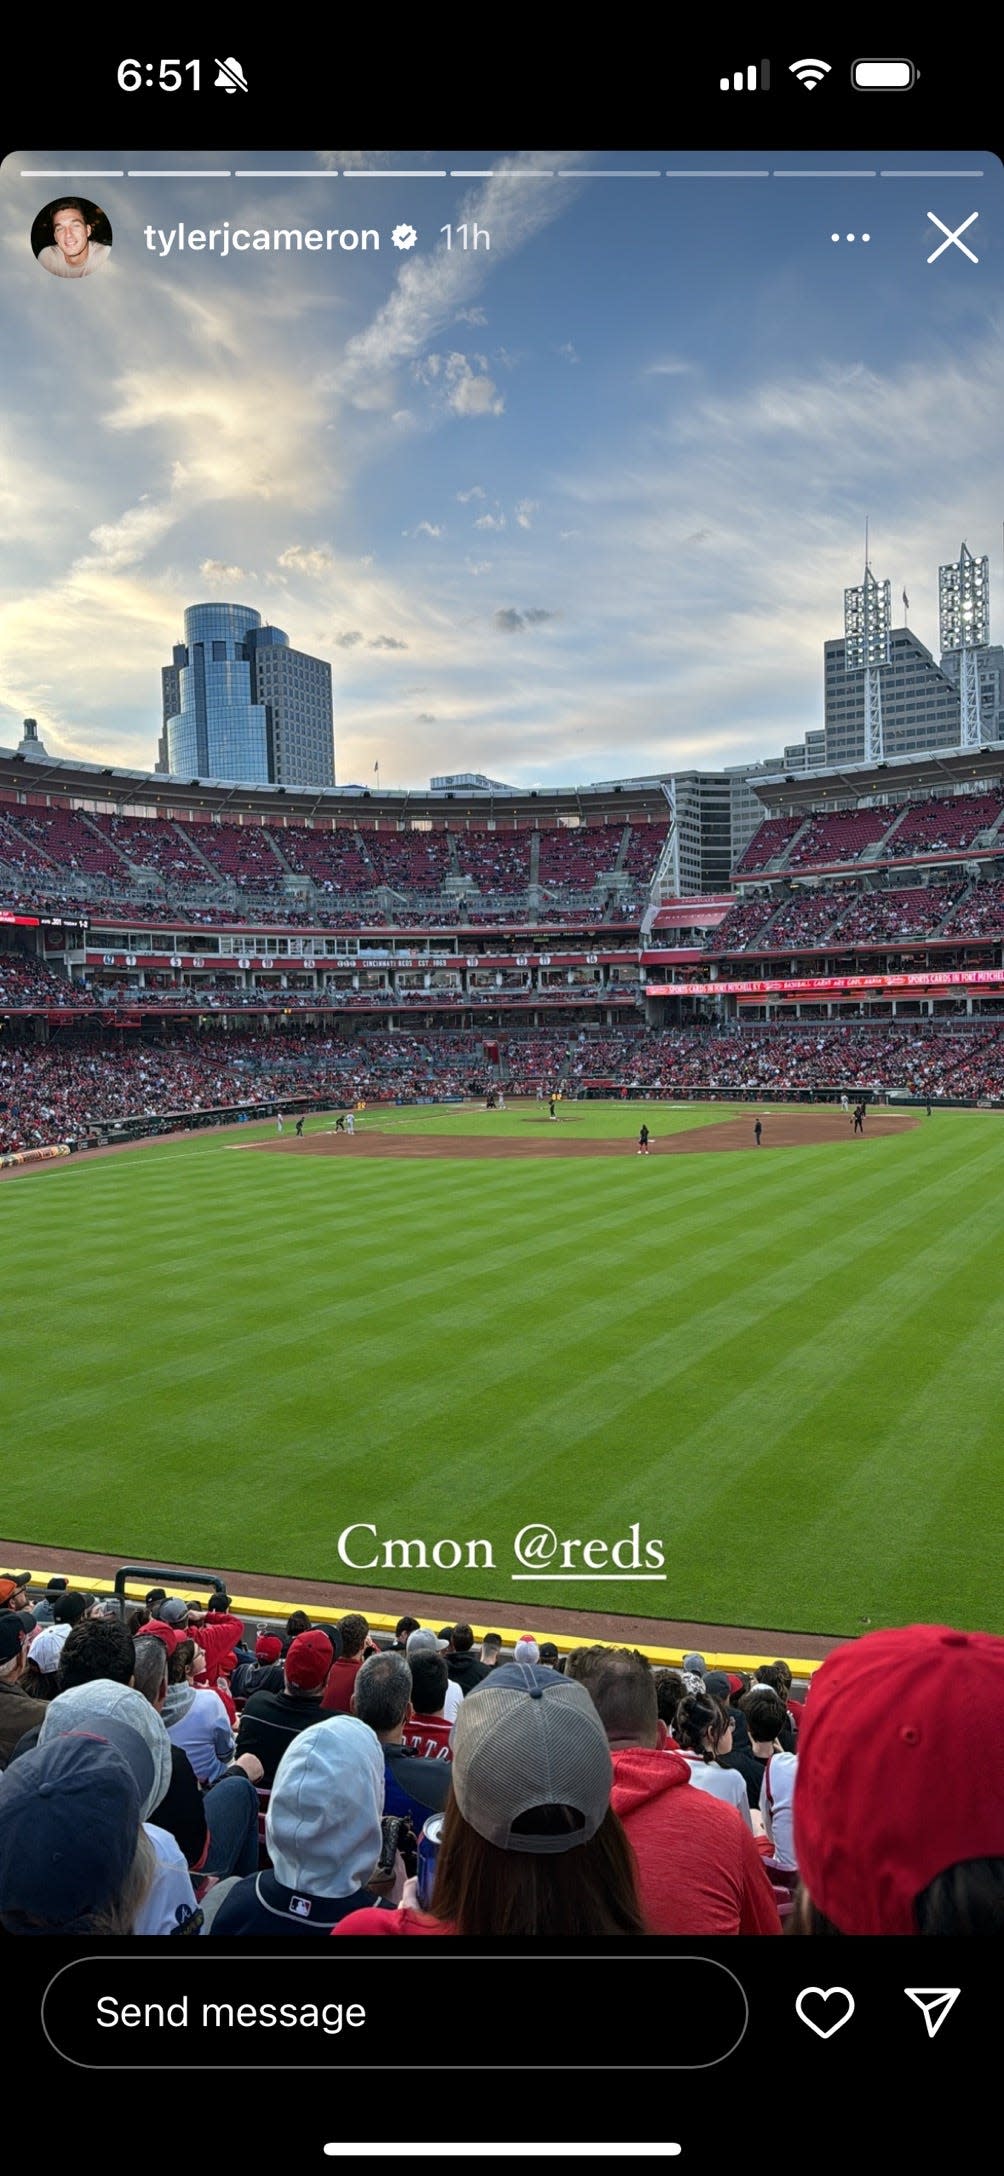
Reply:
x=268, y=1647
x=156, y=1629
x=900, y=1771
x=308, y=1659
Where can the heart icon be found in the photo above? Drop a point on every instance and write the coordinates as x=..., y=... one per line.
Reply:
x=825, y=1995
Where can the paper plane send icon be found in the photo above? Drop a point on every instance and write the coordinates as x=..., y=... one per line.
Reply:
x=935, y=2002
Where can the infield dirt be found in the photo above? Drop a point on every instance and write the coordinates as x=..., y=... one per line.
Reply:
x=784, y=1129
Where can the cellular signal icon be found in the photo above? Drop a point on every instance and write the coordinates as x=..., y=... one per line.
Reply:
x=747, y=79
x=809, y=72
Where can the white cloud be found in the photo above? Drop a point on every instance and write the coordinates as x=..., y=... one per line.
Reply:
x=217, y=570
x=124, y=542
x=307, y=559
x=432, y=289
x=476, y=492
x=490, y=521
x=428, y=528
x=472, y=391
x=473, y=316
x=525, y=511
x=669, y=366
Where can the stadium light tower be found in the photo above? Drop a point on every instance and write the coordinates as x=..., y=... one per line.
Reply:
x=964, y=601
x=867, y=621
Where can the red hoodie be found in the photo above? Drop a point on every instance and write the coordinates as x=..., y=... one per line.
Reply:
x=218, y=1637
x=699, y=1869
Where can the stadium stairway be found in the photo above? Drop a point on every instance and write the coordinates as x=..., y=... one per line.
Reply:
x=780, y=860
x=187, y=836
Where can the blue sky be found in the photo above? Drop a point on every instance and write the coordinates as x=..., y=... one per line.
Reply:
x=579, y=506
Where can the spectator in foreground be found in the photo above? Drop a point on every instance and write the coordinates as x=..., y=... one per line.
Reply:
x=427, y=1731
x=778, y=1676
x=413, y=1786
x=899, y=1796
x=169, y=1903
x=777, y=1804
x=338, y=1691
x=323, y=1832
x=68, y=1608
x=41, y=1662
x=217, y=1829
x=194, y=1715
x=73, y=1855
x=530, y=1845
x=462, y=1663
x=271, y=1720
x=702, y=1728
x=699, y=1869
x=669, y=1691
x=18, y=1711
x=264, y=1673
x=766, y=1720
x=214, y=1630
x=54, y=1588
x=425, y=1641
x=14, y=1590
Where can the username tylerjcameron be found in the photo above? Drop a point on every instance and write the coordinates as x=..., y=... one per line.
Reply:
x=537, y=1551
x=168, y=241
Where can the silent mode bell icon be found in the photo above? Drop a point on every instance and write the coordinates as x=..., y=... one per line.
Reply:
x=230, y=76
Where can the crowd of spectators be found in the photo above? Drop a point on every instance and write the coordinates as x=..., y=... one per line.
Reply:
x=385, y=877
x=838, y=838
x=27, y=982
x=844, y=915
x=565, y=1797
x=74, y=1085
x=942, y=824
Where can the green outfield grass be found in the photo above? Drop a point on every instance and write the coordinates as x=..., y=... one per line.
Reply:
x=786, y=1369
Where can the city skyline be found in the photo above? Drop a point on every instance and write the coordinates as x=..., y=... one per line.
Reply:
x=581, y=506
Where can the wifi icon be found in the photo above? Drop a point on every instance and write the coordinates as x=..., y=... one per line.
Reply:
x=809, y=72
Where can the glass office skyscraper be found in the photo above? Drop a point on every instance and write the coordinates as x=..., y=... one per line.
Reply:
x=249, y=709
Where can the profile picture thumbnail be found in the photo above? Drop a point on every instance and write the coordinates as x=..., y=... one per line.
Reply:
x=71, y=237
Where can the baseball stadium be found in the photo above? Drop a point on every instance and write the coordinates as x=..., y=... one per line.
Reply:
x=474, y=1345
x=429, y=1206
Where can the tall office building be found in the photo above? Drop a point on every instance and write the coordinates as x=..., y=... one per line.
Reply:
x=704, y=826
x=245, y=706
x=920, y=701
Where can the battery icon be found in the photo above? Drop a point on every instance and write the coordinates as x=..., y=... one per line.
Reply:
x=883, y=75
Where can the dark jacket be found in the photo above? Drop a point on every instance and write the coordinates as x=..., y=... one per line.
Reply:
x=466, y=1671
x=181, y=1810
x=270, y=1722
x=260, y=1905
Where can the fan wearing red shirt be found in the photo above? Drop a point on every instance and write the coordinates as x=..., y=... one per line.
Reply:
x=341, y=1683
x=426, y=1730
x=699, y=1869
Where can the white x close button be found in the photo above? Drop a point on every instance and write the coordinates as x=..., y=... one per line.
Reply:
x=952, y=236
